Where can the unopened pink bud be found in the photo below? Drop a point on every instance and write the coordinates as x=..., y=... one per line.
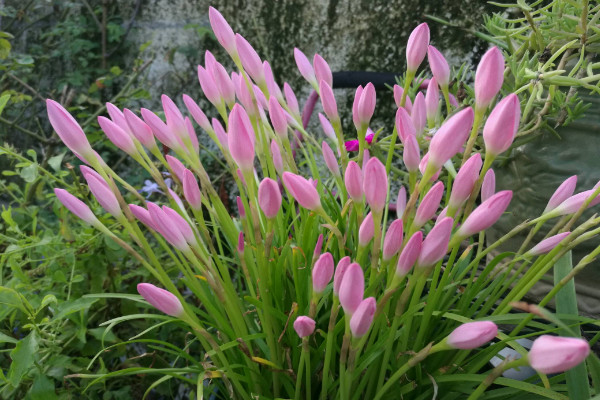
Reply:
x=340, y=270
x=176, y=166
x=489, y=77
x=393, y=240
x=562, y=193
x=547, y=245
x=366, y=104
x=451, y=136
x=366, y=230
x=277, y=116
x=224, y=83
x=269, y=197
x=180, y=223
x=429, y=205
x=117, y=136
x=85, y=170
x=175, y=120
x=192, y=134
x=401, y=201
x=357, y=96
x=167, y=228
x=196, y=112
x=330, y=160
x=241, y=145
x=502, y=125
x=404, y=124
x=439, y=66
x=375, y=185
x=327, y=127
x=222, y=31
x=261, y=100
x=435, y=244
x=250, y=59
x=411, y=154
x=552, y=354
x=191, y=190
x=302, y=190
x=486, y=214
x=410, y=254
x=209, y=86
x=160, y=129
x=240, y=245
x=220, y=134
x=322, y=272
x=318, y=247
x=423, y=167
x=432, y=99
x=161, y=299
x=575, y=202
x=419, y=113
x=471, y=335
x=276, y=156
x=488, y=188
x=76, y=206
x=352, y=288
x=272, y=86
x=139, y=129
x=117, y=116
x=304, y=326
x=104, y=195
x=322, y=70
x=465, y=181
x=305, y=67
x=398, y=92
x=291, y=100
x=353, y=180
x=142, y=215
x=328, y=101
x=363, y=317
x=240, y=205
x=416, y=47
x=68, y=129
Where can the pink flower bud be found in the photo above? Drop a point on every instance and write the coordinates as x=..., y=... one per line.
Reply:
x=322, y=272
x=330, y=160
x=240, y=205
x=305, y=67
x=322, y=70
x=272, y=86
x=562, y=193
x=160, y=129
x=432, y=99
x=277, y=116
x=276, y=156
x=167, y=227
x=291, y=100
x=472, y=335
x=269, y=197
x=85, y=170
x=224, y=83
x=220, y=134
x=393, y=240
x=404, y=125
x=411, y=154
x=547, y=245
x=357, y=96
x=327, y=127
x=240, y=143
x=261, y=100
x=451, y=136
x=423, y=167
x=435, y=245
x=304, y=326
x=302, y=190
x=116, y=116
x=363, y=317
x=318, y=247
x=439, y=66
x=139, y=129
x=552, y=354
x=250, y=59
x=192, y=134
x=366, y=230
x=366, y=104
x=489, y=77
x=353, y=180
x=222, y=30
x=142, y=215
x=104, y=195
x=176, y=166
x=328, y=101
x=502, y=125
x=419, y=113
x=398, y=92
x=196, y=113
x=486, y=214
x=68, y=129
x=410, y=254
x=180, y=223
x=352, y=288
x=465, y=181
x=209, y=86
x=161, y=299
x=175, y=120
x=375, y=184
x=240, y=245
x=177, y=199
x=429, y=205
x=453, y=101
x=488, y=188
x=401, y=201
x=575, y=202
x=117, y=136
x=416, y=47
x=191, y=190
x=340, y=270
x=76, y=206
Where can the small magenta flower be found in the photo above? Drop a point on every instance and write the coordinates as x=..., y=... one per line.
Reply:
x=139, y=129
x=488, y=77
x=277, y=116
x=439, y=66
x=410, y=254
x=222, y=31
x=68, y=129
x=305, y=67
x=363, y=317
x=375, y=184
x=411, y=154
x=419, y=113
x=502, y=125
x=269, y=197
x=352, y=288
x=465, y=181
x=250, y=60
x=330, y=160
x=472, y=335
x=486, y=214
x=416, y=47
x=340, y=270
x=276, y=155
x=393, y=240
x=398, y=92
x=322, y=70
x=304, y=326
x=562, y=193
x=327, y=127
x=76, y=206
x=404, y=124
x=488, y=187
x=328, y=101
x=429, y=205
x=449, y=139
x=366, y=230
x=117, y=136
x=191, y=190
x=302, y=190
x=552, y=354
x=240, y=138
x=352, y=145
x=401, y=202
x=322, y=272
x=353, y=178
x=161, y=299
x=435, y=245
x=104, y=195
x=547, y=245
x=432, y=100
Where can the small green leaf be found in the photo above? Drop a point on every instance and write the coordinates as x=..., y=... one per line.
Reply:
x=30, y=173
x=3, y=101
x=70, y=307
x=42, y=389
x=23, y=356
x=7, y=339
x=55, y=161
x=48, y=299
x=24, y=59
x=4, y=48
